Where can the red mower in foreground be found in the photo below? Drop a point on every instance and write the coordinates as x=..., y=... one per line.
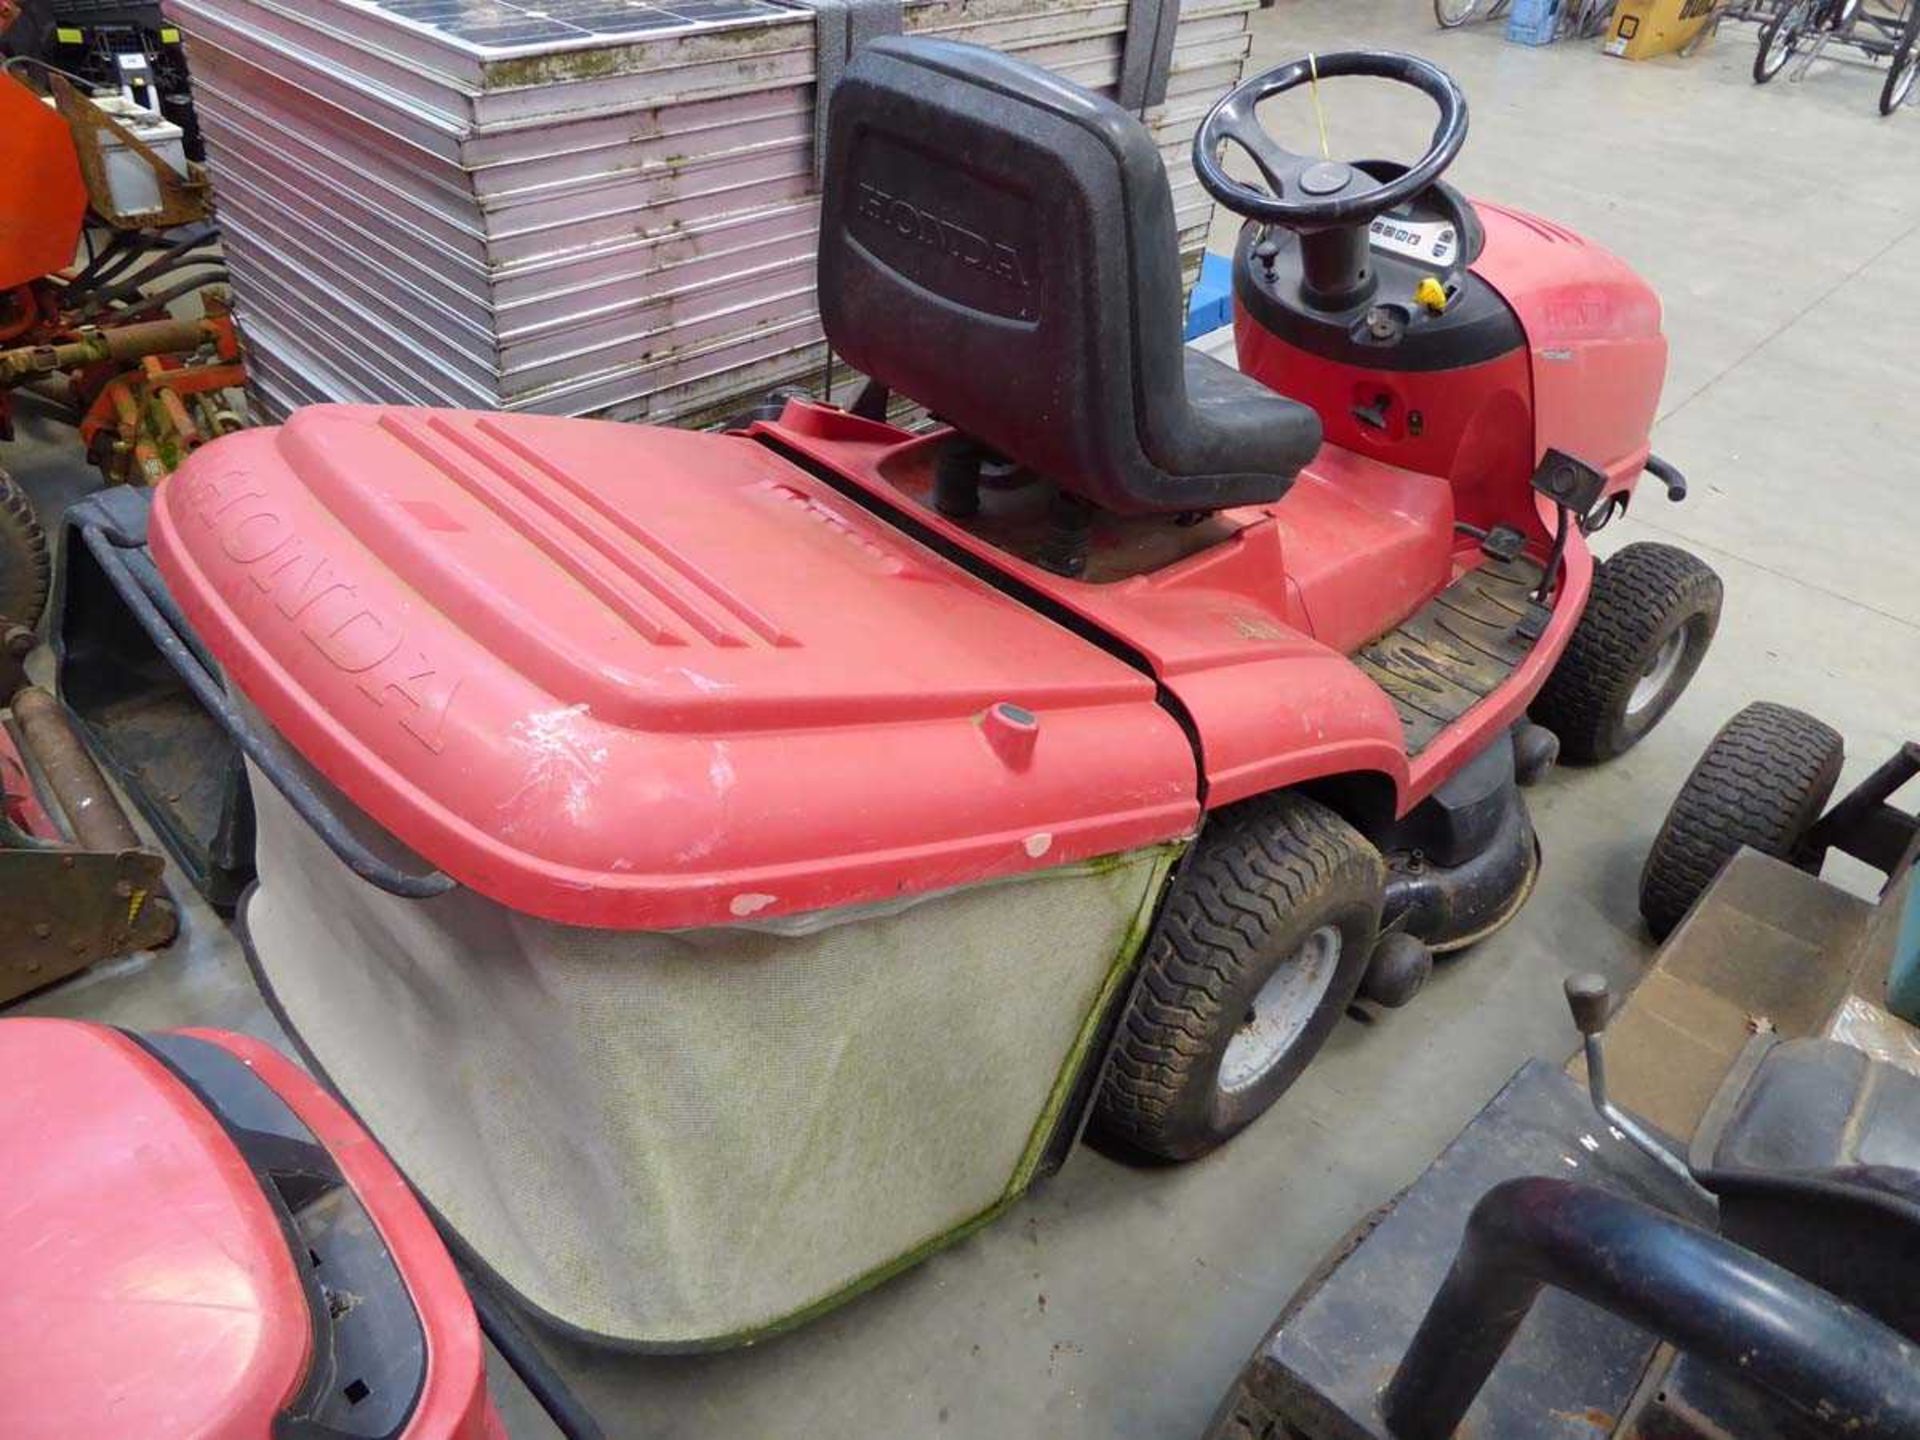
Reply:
x=743, y=831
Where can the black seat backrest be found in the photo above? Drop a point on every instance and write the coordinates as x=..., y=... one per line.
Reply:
x=999, y=244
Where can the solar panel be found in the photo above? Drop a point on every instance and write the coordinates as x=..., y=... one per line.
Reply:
x=489, y=25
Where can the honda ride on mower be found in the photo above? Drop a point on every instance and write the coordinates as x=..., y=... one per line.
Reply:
x=675, y=844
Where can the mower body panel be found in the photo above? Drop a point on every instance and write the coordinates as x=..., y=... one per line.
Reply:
x=635, y=677
x=44, y=200
x=148, y=1282
x=1583, y=378
x=1593, y=335
x=152, y=1284
x=1470, y=428
x=19, y=802
x=1251, y=636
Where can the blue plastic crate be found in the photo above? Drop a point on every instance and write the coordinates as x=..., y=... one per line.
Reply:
x=1534, y=22
x=1212, y=302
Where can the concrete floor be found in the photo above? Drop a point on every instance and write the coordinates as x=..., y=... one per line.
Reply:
x=1782, y=227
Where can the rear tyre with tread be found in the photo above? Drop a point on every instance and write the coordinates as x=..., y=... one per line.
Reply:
x=1258, y=951
x=24, y=564
x=1762, y=782
x=1647, y=626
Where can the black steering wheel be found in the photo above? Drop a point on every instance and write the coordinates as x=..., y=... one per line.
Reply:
x=1308, y=193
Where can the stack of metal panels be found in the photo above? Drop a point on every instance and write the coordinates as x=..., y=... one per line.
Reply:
x=578, y=207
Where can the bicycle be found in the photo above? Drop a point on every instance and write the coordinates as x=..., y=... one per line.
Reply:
x=1873, y=32
x=1780, y=37
x=1899, y=88
x=1585, y=19
x=1589, y=18
x=1454, y=13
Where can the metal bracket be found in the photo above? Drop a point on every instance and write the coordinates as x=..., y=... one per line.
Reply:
x=1146, y=56
x=62, y=910
x=1864, y=825
x=841, y=28
x=65, y=905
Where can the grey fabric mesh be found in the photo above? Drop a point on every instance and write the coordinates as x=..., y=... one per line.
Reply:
x=688, y=1138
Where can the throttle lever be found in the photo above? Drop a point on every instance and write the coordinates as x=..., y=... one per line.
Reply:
x=1590, y=999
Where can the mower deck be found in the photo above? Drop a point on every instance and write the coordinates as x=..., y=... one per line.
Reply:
x=1457, y=649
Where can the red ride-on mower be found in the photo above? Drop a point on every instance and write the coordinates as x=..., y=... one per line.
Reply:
x=742, y=831
x=198, y=1241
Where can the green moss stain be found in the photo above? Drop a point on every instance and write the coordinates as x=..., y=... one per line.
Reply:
x=532, y=70
x=1161, y=860
x=702, y=47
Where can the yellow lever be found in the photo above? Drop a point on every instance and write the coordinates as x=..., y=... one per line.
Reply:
x=1431, y=294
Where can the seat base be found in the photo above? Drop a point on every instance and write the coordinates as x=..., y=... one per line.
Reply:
x=1015, y=517
x=1365, y=545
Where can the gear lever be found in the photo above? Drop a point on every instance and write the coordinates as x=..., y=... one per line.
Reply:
x=1591, y=1001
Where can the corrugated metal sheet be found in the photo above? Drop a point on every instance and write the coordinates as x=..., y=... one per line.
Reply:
x=574, y=207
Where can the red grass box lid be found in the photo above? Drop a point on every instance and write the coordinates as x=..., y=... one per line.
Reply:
x=631, y=677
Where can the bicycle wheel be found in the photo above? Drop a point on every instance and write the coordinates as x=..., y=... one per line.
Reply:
x=1451, y=13
x=1905, y=68
x=1779, y=38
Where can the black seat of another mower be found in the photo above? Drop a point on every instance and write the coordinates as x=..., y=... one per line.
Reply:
x=999, y=245
x=1817, y=1167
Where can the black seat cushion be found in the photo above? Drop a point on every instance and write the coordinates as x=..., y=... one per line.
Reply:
x=999, y=245
x=1818, y=1169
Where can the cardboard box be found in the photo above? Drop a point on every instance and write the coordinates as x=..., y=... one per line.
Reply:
x=1644, y=28
x=1534, y=22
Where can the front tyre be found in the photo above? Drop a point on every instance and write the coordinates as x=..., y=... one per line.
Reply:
x=1454, y=13
x=1762, y=782
x=1779, y=39
x=1259, y=949
x=1647, y=626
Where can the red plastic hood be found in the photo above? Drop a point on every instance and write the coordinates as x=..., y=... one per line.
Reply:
x=1593, y=335
x=623, y=676
x=149, y=1289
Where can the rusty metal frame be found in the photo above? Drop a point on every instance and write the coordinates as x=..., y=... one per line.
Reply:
x=142, y=423
x=67, y=904
x=139, y=423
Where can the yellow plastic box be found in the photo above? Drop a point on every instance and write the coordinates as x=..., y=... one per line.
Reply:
x=1644, y=28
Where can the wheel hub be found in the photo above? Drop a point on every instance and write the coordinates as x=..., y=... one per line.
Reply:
x=1280, y=1012
x=1659, y=673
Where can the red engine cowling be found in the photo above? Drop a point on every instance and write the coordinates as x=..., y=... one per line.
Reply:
x=44, y=199
x=1585, y=378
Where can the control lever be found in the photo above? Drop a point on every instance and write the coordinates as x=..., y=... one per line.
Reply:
x=1591, y=1001
x=1267, y=252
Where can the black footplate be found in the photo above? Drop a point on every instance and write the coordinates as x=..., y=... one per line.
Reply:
x=1457, y=649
